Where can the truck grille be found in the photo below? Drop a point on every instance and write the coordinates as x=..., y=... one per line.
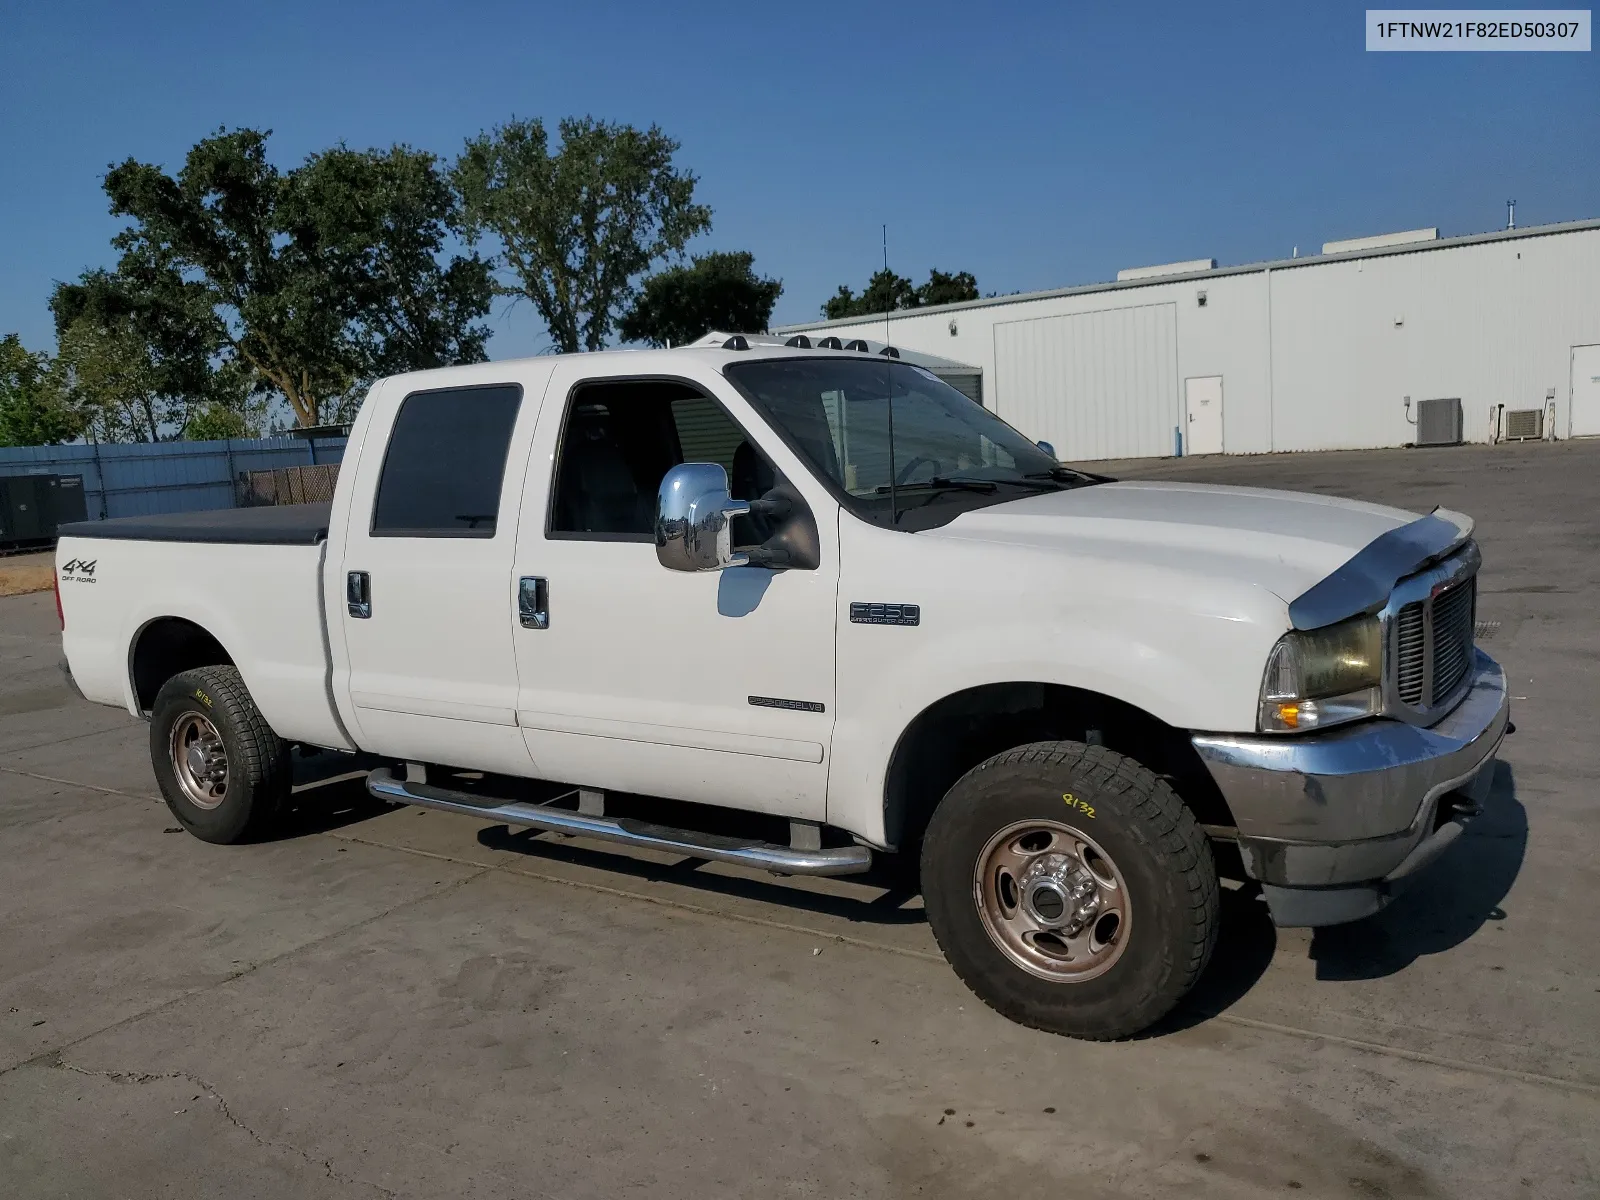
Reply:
x=1423, y=679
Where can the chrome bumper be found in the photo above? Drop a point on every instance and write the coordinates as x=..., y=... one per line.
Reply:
x=1332, y=823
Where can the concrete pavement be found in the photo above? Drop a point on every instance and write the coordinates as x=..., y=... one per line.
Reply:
x=399, y=1003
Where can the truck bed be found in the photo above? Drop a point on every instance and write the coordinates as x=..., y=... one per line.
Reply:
x=279, y=525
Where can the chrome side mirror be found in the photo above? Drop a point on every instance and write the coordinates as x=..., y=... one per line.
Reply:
x=1047, y=448
x=694, y=526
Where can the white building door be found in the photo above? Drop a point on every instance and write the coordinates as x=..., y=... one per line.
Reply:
x=1203, y=399
x=1585, y=413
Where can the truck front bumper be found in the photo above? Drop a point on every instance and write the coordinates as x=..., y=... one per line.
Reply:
x=1333, y=824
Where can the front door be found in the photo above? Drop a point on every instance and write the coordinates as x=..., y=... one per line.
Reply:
x=715, y=687
x=1585, y=391
x=422, y=594
x=1203, y=397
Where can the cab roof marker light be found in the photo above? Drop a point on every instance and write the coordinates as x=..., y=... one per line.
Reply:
x=857, y=344
x=799, y=341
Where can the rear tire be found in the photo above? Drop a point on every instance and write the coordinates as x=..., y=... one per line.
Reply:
x=1071, y=889
x=222, y=771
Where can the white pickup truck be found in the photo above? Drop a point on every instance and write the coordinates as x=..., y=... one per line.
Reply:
x=819, y=586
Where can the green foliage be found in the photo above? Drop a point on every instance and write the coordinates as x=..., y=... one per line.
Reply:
x=579, y=226
x=308, y=284
x=32, y=410
x=947, y=289
x=214, y=423
x=107, y=374
x=888, y=292
x=720, y=290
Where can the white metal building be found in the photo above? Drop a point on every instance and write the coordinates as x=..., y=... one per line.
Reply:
x=1339, y=350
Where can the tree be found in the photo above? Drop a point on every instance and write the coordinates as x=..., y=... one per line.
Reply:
x=720, y=290
x=32, y=411
x=311, y=282
x=106, y=373
x=888, y=292
x=579, y=226
x=947, y=289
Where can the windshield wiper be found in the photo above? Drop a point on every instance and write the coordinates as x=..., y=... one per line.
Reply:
x=1069, y=475
x=943, y=483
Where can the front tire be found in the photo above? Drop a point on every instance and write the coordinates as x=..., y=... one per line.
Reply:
x=222, y=771
x=1071, y=889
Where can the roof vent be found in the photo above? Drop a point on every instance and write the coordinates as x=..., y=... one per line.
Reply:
x=1177, y=268
x=736, y=342
x=830, y=343
x=799, y=341
x=889, y=352
x=857, y=344
x=1380, y=240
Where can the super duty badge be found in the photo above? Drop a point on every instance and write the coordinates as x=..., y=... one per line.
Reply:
x=864, y=612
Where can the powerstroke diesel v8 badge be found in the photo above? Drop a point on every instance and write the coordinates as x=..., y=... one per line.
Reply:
x=867, y=613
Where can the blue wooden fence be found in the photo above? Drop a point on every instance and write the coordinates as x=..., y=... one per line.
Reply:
x=130, y=479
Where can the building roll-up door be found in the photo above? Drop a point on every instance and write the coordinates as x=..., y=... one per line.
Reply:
x=1095, y=385
x=968, y=383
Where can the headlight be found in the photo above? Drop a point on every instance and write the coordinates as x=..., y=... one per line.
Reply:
x=1324, y=677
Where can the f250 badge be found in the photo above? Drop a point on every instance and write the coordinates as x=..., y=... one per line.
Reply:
x=867, y=613
x=79, y=570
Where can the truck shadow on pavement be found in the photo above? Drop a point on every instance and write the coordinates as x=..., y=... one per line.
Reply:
x=848, y=898
x=1449, y=902
x=1446, y=905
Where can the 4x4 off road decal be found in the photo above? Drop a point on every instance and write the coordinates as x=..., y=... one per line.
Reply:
x=864, y=612
x=79, y=570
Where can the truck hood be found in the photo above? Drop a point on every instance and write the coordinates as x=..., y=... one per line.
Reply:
x=1281, y=541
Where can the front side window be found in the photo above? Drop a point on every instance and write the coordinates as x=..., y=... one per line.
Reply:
x=618, y=441
x=445, y=463
x=945, y=454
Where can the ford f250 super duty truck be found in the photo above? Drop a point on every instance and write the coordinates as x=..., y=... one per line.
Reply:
x=820, y=586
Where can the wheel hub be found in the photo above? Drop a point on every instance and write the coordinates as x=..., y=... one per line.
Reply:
x=1052, y=900
x=199, y=760
x=1060, y=893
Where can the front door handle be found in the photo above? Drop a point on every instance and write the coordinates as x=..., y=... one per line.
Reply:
x=358, y=594
x=533, y=602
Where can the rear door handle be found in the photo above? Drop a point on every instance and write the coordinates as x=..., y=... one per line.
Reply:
x=533, y=602
x=358, y=594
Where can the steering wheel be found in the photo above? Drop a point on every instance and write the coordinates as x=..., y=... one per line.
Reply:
x=905, y=472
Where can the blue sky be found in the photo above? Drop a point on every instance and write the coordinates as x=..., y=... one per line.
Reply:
x=1034, y=145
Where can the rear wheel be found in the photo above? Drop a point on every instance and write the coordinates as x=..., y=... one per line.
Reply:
x=223, y=772
x=1071, y=889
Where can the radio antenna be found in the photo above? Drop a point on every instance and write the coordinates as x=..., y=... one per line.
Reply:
x=888, y=384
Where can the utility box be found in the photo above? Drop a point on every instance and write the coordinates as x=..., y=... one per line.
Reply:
x=33, y=507
x=1525, y=425
x=1439, y=422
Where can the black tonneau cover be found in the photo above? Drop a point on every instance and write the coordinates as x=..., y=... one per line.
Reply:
x=277, y=525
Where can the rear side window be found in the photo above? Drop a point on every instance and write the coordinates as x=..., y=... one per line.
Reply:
x=445, y=462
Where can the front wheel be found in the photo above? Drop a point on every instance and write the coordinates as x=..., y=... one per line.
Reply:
x=1071, y=889
x=223, y=772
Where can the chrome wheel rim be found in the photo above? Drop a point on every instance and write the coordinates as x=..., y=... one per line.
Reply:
x=1052, y=901
x=199, y=761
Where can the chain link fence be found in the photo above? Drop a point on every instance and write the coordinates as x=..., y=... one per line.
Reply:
x=286, y=485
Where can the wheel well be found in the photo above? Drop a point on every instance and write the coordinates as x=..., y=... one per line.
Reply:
x=955, y=734
x=166, y=647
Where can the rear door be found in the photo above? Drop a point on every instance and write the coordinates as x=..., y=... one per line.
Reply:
x=716, y=686
x=424, y=591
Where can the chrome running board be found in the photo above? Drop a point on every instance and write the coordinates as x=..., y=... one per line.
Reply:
x=780, y=860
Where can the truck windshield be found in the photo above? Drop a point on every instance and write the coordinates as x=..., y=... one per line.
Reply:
x=946, y=455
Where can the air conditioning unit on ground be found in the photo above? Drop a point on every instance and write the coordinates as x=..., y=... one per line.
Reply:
x=1439, y=422
x=1525, y=425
